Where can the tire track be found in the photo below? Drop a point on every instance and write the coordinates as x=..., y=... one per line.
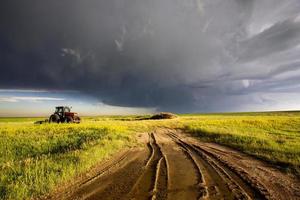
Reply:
x=150, y=145
x=161, y=181
x=240, y=188
x=104, y=170
x=152, y=184
x=92, y=176
x=209, y=187
x=181, y=185
x=161, y=185
x=261, y=190
x=201, y=186
x=232, y=185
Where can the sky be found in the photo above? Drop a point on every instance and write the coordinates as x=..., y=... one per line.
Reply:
x=144, y=56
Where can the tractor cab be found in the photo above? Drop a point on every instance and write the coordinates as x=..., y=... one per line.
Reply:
x=61, y=110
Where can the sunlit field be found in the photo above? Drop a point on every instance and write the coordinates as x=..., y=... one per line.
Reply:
x=34, y=159
x=274, y=137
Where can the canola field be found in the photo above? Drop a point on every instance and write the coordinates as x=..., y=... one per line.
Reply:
x=35, y=159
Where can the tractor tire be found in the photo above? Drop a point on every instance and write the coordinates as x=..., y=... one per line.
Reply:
x=77, y=119
x=54, y=118
x=69, y=119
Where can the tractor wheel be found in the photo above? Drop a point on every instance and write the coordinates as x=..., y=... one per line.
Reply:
x=69, y=119
x=54, y=118
x=77, y=119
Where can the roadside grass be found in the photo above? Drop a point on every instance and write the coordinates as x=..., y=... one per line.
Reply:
x=35, y=159
x=272, y=137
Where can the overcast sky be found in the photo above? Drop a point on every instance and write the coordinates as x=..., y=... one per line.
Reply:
x=154, y=55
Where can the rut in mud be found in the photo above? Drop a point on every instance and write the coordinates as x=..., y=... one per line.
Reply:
x=174, y=166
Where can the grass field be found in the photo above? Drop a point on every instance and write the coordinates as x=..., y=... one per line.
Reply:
x=273, y=137
x=36, y=158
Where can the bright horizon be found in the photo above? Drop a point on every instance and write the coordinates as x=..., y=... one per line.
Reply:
x=41, y=103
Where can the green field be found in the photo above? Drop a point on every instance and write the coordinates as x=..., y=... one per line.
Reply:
x=273, y=137
x=34, y=159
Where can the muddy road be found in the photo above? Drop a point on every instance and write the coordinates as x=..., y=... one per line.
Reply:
x=175, y=166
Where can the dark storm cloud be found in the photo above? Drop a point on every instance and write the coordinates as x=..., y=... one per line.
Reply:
x=280, y=36
x=192, y=55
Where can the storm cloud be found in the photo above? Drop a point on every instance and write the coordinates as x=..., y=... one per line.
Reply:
x=177, y=55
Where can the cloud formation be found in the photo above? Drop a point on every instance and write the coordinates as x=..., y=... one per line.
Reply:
x=184, y=56
x=14, y=99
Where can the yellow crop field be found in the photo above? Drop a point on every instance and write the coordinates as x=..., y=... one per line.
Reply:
x=34, y=159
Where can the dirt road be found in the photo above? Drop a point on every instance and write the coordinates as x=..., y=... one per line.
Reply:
x=174, y=166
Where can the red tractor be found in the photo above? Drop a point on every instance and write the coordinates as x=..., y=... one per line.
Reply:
x=63, y=114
